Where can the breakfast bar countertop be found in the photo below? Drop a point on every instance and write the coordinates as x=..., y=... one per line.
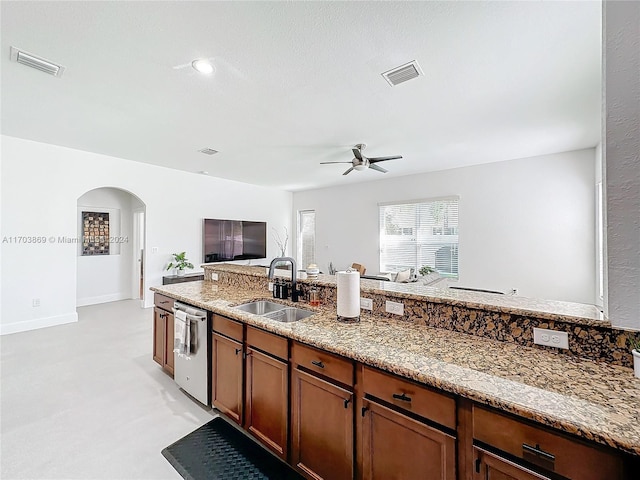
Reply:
x=595, y=401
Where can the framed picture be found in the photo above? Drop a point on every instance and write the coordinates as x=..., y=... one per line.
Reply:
x=95, y=233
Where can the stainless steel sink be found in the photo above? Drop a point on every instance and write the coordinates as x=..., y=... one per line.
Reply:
x=260, y=307
x=289, y=314
x=275, y=311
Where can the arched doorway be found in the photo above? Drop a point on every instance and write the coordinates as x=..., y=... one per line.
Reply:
x=111, y=239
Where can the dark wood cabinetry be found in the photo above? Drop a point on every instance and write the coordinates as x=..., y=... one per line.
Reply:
x=534, y=448
x=163, y=332
x=227, y=377
x=399, y=447
x=400, y=438
x=492, y=467
x=267, y=400
x=322, y=427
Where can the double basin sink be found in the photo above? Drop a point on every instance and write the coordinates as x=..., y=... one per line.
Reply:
x=275, y=311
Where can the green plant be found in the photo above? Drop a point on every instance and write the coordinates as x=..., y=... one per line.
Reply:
x=426, y=270
x=181, y=261
x=634, y=342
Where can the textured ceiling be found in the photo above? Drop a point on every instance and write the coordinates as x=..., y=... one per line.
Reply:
x=299, y=83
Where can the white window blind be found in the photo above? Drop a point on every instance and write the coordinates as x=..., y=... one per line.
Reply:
x=306, y=238
x=415, y=234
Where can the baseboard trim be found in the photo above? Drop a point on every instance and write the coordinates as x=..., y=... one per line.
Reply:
x=37, y=323
x=114, y=297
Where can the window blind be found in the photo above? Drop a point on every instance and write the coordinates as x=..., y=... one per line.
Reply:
x=306, y=237
x=420, y=233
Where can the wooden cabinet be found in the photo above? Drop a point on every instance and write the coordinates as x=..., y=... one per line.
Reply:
x=395, y=446
x=267, y=400
x=322, y=428
x=163, y=332
x=227, y=376
x=407, y=431
x=537, y=448
x=492, y=467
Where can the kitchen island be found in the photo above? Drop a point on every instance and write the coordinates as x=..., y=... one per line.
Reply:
x=591, y=400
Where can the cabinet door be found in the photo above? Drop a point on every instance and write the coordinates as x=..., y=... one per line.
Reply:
x=322, y=428
x=159, y=327
x=169, y=358
x=396, y=447
x=226, y=381
x=267, y=400
x=492, y=467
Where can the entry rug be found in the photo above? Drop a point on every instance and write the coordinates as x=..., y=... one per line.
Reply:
x=218, y=450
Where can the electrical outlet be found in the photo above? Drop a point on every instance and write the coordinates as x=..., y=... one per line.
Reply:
x=396, y=308
x=214, y=277
x=366, y=303
x=550, y=338
x=270, y=287
x=154, y=249
x=35, y=302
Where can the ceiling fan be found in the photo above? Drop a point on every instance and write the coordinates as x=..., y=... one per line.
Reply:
x=360, y=162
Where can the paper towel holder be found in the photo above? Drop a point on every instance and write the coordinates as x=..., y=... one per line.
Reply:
x=342, y=319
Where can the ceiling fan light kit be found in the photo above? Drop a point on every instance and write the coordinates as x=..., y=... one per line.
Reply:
x=360, y=162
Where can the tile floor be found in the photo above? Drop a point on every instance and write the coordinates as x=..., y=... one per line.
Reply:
x=86, y=400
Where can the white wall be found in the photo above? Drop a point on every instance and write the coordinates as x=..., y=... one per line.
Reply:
x=41, y=184
x=106, y=278
x=526, y=224
x=621, y=147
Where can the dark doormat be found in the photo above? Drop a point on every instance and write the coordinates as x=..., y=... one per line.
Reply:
x=218, y=450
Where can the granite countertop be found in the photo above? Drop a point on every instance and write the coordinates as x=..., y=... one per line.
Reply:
x=596, y=401
x=580, y=313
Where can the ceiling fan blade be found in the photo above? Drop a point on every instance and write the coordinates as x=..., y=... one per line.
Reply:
x=357, y=153
x=376, y=167
x=347, y=172
x=382, y=159
x=327, y=163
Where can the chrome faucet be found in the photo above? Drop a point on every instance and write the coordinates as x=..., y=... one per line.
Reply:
x=294, y=272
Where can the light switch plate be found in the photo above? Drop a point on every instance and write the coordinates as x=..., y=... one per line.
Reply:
x=550, y=338
x=366, y=303
x=396, y=308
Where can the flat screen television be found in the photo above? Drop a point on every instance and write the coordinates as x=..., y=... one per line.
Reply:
x=227, y=240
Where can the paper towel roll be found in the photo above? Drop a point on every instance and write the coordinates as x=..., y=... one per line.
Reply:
x=348, y=301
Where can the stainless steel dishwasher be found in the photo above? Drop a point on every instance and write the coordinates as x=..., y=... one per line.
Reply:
x=191, y=365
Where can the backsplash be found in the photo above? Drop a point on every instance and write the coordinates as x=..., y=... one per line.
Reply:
x=586, y=340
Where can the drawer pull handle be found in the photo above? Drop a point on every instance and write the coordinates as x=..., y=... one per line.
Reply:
x=538, y=452
x=317, y=363
x=402, y=397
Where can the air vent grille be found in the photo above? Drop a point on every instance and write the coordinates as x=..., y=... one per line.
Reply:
x=401, y=74
x=208, y=151
x=36, y=62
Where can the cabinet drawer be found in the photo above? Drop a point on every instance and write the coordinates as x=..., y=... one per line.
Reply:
x=268, y=342
x=227, y=327
x=163, y=302
x=324, y=363
x=541, y=447
x=438, y=407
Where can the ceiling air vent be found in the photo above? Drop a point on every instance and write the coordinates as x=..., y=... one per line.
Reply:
x=402, y=73
x=36, y=62
x=208, y=151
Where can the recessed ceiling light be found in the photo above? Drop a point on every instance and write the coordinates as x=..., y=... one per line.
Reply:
x=203, y=172
x=203, y=66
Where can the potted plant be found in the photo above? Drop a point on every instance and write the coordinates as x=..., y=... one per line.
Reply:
x=635, y=350
x=426, y=270
x=180, y=264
